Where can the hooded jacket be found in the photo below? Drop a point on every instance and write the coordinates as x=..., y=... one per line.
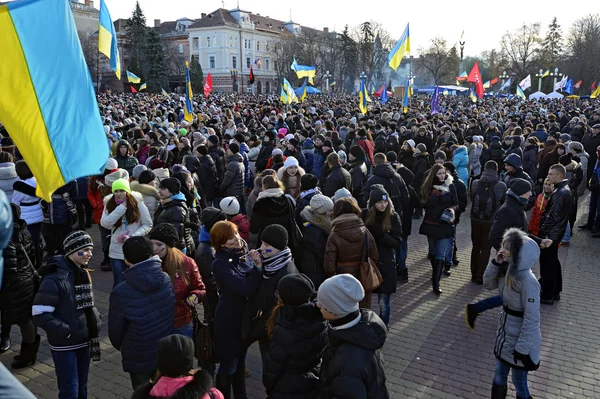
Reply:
x=233, y=180
x=175, y=212
x=475, y=150
x=127, y=162
x=460, y=159
x=518, y=337
x=141, y=314
x=353, y=365
x=207, y=176
x=149, y=195
x=420, y=166
x=316, y=229
x=392, y=182
x=530, y=159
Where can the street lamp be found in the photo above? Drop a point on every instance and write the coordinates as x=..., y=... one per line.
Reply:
x=539, y=76
x=555, y=75
x=326, y=77
x=234, y=80
x=503, y=77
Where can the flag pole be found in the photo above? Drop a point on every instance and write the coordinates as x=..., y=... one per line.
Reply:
x=98, y=71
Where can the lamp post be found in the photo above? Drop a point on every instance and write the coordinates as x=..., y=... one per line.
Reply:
x=503, y=77
x=539, y=76
x=363, y=76
x=555, y=75
x=326, y=77
x=234, y=80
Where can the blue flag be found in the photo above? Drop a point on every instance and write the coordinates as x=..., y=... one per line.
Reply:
x=506, y=84
x=569, y=87
x=384, y=96
x=435, y=101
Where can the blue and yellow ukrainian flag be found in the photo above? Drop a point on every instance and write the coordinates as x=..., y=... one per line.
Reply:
x=289, y=91
x=107, y=39
x=188, y=109
x=407, y=96
x=363, y=97
x=143, y=86
x=304, y=71
x=283, y=96
x=164, y=92
x=48, y=103
x=546, y=73
x=472, y=95
x=132, y=78
x=520, y=92
x=401, y=48
x=303, y=91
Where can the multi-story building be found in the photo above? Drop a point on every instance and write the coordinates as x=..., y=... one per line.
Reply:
x=85, y=16
x=227, y=43
x=174, y=35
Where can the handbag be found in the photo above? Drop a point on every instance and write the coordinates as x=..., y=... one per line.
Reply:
x=370, y=277
x=205, y=348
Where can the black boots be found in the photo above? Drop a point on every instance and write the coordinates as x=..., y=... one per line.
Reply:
x=28, y=354
x=238, y=382
x=402, y=275
x=223, y=384
x=499, y=391
x=447, y=271
x=436, y=275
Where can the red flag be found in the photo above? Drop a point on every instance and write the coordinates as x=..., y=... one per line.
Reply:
x=208, y=85
x=593, y=86
x=578, y=84
x=133, y=90
x=251, y=77
x=475, y=77
x=493, y=81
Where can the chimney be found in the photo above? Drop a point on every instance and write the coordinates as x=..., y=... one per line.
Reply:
x=89, y=3
x=203, y=15
x=156, y=23
x=326, y=29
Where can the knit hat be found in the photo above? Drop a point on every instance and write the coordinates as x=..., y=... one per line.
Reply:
x=340, y=294
x=309, y=181
x=320, y=137
x=171, y=184
x=137, y=249
x=411, y=143
x=343, y=157
x=321, y=204
x=495, y=138
x=440, y=155
x=491, y=165
x=239, y=137
x=378, y=193
x=230, y=206
x=157, y=163
x=146, y=177
x=520, y=186
x=137, y=170
x=213, y=139
x=275, y=235
x=270, y=134
x=565, y=137
x=234, y=148
x=565, y=159
x=513, y=160
x=164, y=232
x=293, y=142
x=290, y=161
x=276, y=151
x=121, y=184
x=576, y=146
x=116, y=175
x=211, y=215
x=175, y=355
x=111, y=164
x=23, y=170
x=327, y=143
x=295, y=289
x=357, y=152
x=183, y=132
x=341, y=193
x=77, y=240
x=421, y=147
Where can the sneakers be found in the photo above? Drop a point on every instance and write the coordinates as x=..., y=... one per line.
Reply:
x=4, y=344
x=470, y=315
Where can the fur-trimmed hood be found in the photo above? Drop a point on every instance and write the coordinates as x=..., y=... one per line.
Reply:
x=7, y=171
x=318, y=219
x=144, y=189
x=447, y=183
x=270, y=192
x=135, y=194
x=527, y=249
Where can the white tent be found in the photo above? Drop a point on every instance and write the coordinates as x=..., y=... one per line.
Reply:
x=554, y=95
x=536, y=95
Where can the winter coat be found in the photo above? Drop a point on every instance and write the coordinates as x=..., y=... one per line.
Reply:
x=204, y=257
x=344, y=248
x=218, y=156
x=367, y=147
x=414, y=202
x=56, y=211
x=24, y=197
x=406, y=157
x=292, y=183
x=140, y=314
x=272, y=207
x=127, y=162
x=293, y=364
x=475, y=158
x=353, y=365
x=261, y=303
x=183, y=313
x=309, y=157
x=490, y=178
x=420, y=166
x=232, y=184
x=427, y=140
x=244, y=152
x=149, y=195
x=583, y=160
x=515, y=149
x=496, y=153
x=140, y=227
x=66, y=326
x=264, y=155
x=318, y=162
x=207, y=176
x=536, y=215
x=175, y=212
x=547, y=161
x=530, y=159
x=252, y=157
x=460, y=159
x=237, y=279
x=8, y=177
x=196, y=386
x=337, y=177
x=510, y=214
x=388, y=242
x=393, y=183
x=243, y=225
x=556, y=215
x=518, y=332
x=441, y=197
x=315, y=230
x=19, y=280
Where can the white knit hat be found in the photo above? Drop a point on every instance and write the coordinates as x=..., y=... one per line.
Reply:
x=340, y=294
x=111, y=164
x=230, y=206
x=411, y=143
x=276, y=151
x=321, y=204
x=116, y=175
x=290, y=161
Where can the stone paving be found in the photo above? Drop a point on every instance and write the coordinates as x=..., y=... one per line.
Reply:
x=429, y=352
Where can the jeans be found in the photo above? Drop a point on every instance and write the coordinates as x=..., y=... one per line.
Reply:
x=567, y=236
x=72, y=368
x=450, y=249
x=550, y=272
x=403, y=253
x=593, y=219
x=489, y=303
x=229, y=366
x=118, y=267
x=439, y=246
x=186, y=329
x=384, y=308
x=519, y=378
x=139, y=379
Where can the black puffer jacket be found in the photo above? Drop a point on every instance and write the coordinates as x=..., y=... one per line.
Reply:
x=233, y=180
x=556, y=215
x=207, y=175
x=19, y=279
x=393, y=184
x=510, y=214
x=176, y=213
x=218, y=156
x=358, y=172
x=272, y=207
x=315, y=231
x=496, y=152
x=420, y=166
x=294, y=363
x=353, y=365
x=387, y=243
x=337, y=177
x=263, y=156
x=204, y=257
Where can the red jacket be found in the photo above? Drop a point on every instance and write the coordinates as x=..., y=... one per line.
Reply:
x=536, y=214
x=367, y=147
x=97, y=201
x=243, y=225
x=183, y=313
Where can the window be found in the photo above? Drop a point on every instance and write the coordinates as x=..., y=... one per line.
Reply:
x=257, y=45
x=180, y=48
x=247, y=62
x=230, y=41
x=267, y=64
x=207, y=41
x=182, y=69
x=274, y=65
x=267, y=47
x=245, y=43
x=234, y=62
x=211, y=62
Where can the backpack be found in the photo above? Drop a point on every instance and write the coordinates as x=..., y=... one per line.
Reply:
x=484, y=202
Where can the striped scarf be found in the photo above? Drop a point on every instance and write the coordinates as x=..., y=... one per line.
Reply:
x=276, y=262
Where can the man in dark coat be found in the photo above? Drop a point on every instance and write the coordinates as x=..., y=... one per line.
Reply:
x=514, y=170
x=384, y=174
x=207, y=175
x=146, y=290
x=174, y=210
x=590, y=144
x=337, y=177
x=233, y=179
x=512, y=212
x=217, y=154
x=268, y=144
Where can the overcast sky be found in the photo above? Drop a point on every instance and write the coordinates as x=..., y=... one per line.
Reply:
x=483, y=22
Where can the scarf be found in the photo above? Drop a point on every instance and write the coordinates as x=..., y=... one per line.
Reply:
x=274, y=263
x=84, y=299
x=307, y=192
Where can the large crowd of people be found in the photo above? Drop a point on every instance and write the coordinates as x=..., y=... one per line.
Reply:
x=282, y=221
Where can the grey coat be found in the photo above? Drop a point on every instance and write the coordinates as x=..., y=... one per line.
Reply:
x=233, y=180
x=518, y=334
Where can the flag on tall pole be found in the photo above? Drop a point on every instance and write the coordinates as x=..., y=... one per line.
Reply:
x=208, y=85
x=578, y=84
x=435, y=101
x=133, y=78
x=384, y=96
x=520, y=93
x=363, y=96
x=525, y=83
x=407, y=96
x=475, y=77
x=188, y=107
x=400, y=50
x=304, y=71
x=569, y=86
x=462, y=76
x=289, y=91
x=107, y=39
x=48, y=103
x=164, y=92
x=506, y=84
x=251, y=77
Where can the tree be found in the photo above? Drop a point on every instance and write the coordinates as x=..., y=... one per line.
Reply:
x=136, y=41
x=89, y=45
x=196, y=76
x=552, y=45
x=349, y=58
x=439, y=62
x=521, y=48
x=158, y=71
x=583, y=43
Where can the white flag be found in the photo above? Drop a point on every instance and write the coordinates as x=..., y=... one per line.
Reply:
x=564, y=81
x=525, y=83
